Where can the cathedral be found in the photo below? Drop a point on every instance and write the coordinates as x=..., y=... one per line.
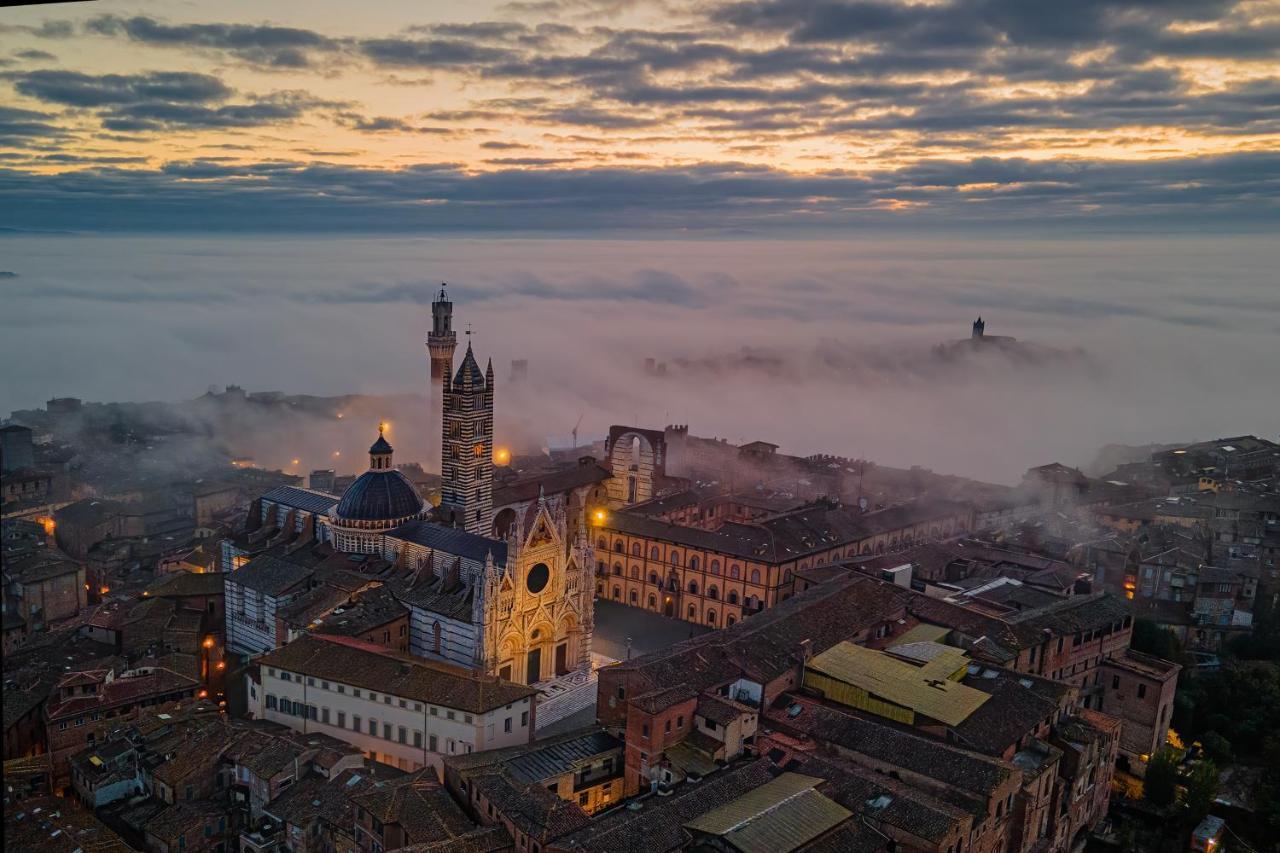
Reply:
x=513, y=599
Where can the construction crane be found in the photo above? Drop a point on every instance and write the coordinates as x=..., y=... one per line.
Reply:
x=575, y=431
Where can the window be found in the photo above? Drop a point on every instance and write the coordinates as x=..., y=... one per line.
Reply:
x=324, y=715
x=755, y=576
x=373, y=727
x=711, y=617
x=451, y=715
x=404, y=704
x=617, y=569
x=1115, y=682
x=735, y=571
x=433, y=743
x=386, y=731
x=311, y=682
x=417, y=738
x=644, y=730
x=342, y=688
x=693, y=587
x=693, y=564
x=271, y=703
x=733, y=596
x=680, y=722
x=402, y=735
x=524, y=719
x=355, y=722
x=342, y=719
x=675, y=558
x=713, y=592
x=693, y=611
x=582, y=799
x=324, y=685
x=715, y=567
x=1142, y=691
x=636, y=550
x=466, y=718
x=634, y=598
x=666, y=728
x=356, y=692
x=435, y=712
x=506, y=724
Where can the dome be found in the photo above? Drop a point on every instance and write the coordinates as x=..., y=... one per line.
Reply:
x=379, y=496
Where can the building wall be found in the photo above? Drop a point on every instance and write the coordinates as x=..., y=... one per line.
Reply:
x=718, y=589
x=454, y=731
x=55, y=598
x=1144, y=704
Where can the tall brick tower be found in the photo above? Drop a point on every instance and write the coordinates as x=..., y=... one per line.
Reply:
x=441, y=343
x=467, y=447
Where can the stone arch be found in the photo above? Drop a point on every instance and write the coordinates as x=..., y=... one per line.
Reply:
x=503, y=523
x=637, y=459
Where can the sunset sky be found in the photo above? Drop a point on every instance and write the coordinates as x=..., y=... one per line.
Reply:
x=580, y=115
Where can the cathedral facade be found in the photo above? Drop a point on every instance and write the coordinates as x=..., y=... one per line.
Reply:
x=515, y=602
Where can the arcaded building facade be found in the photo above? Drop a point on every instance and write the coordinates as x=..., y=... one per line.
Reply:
x=716, y=575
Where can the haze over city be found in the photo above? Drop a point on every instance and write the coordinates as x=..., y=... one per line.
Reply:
x=555, y=426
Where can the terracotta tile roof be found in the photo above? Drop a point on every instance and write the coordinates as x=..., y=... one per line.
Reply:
x=364, y=665
x=769, y=643
x=976, y=774
x=419, y=805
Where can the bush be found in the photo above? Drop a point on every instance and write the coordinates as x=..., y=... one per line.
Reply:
x=1160, y=787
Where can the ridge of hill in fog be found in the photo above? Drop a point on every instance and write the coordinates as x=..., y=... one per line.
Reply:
x=971, y=359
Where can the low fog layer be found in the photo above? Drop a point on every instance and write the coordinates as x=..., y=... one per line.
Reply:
x=819, y=347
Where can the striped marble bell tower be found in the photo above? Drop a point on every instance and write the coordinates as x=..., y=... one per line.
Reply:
x=466, y=448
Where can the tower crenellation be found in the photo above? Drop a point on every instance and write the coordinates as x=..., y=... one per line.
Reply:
x=441, y=343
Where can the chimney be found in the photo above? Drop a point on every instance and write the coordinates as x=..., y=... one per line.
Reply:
x=806, y=650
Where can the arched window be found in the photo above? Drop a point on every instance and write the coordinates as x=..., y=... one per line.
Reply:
x=617, y=546
x=711, y=617
x=603, y=544
x=634, y=598
x=755, y=576
x=786, y=576
x=617, y=593
x=435, y=637
x=654, y=553
x=728, y=621
x=672, y=584
x=715, y=567
x=712, y=592
x=653, y=578
x=599, y=589
x=675, y=558
x=635, y=573
x=653, y=602
x=617, y=569
x=735, y=571
x=733, y=596
x=693, y=564
x=693, y=611
x=601, y=567
x=636, y=550
x=693, y=587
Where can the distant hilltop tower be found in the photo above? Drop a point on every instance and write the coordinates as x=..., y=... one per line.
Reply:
x=466, y=489
x=441, y=343
x=978, y=328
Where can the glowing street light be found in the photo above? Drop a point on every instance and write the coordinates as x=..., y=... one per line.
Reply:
x=501, y=456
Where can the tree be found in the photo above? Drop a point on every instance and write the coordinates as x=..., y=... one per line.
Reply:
x=1202, y=788
x=1216, y=747
x=1150, y=638
x=1160, y=786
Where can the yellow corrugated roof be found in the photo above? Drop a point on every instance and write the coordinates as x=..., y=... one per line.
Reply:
x=779, y=816
x=924, y=689
x=924, y=633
